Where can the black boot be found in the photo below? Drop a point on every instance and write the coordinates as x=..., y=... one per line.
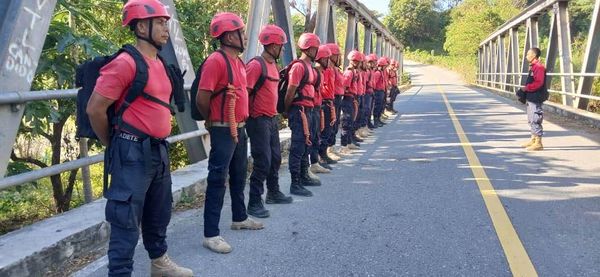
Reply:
x=356, y=139
x=256, y=208
x=306, y=181
x=277, y=197
x=327, y=159
x=296, y=188
x=325, y=165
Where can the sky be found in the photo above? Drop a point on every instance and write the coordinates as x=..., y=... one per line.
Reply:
x=378, y=5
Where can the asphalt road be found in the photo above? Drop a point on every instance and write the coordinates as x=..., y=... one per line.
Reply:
x=408, y=203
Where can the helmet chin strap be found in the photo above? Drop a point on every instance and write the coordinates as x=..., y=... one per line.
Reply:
x=149, y=39
x=275, y=57
x=323, y=65
x=239, y=48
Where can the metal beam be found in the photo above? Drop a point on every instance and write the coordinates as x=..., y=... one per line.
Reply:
x=258, y=16
x=378, y=45
x=368, y=48
x=322, y=19
x=552, y=51
x=283, y=19
x=22, y=35
x=331, y=32
x=564, y=50
x=590, y=58
x=356, y=37
x=363, y=12
x=533, y=10
x=524, y=62
x=176, y=52
x=350, y=31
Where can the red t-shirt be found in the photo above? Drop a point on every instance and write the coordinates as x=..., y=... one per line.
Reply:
x=370, y=82
x=393, y=78
x=264, y=101
x=318, y=99
x=328, y=83
x=295, y=76
x=214, y=78
x=351, y=81
x=339, y=82
x=378, y=80
x=147, y=116
x=386, y=77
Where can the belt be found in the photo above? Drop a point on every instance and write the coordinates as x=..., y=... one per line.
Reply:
x=134, y=138
x=226, y=124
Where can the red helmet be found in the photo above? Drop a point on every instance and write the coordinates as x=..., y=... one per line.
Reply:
x=382, y=61
x=393, y=62
x=355, y=55
x=225, y=22
x=272, y=34
x=371, y=58
x=308, y=40
x=334, y=48
x=323, y=52
x=143, y=9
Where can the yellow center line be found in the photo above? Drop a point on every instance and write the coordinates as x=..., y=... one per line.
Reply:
x=518, y=260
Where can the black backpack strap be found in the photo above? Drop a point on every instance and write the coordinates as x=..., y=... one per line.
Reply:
x=229, y=81
x=318, y=81
x=263, y=75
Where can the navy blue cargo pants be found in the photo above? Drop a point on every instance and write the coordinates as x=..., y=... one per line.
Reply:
x=366, y=109
x=337, y=102
x=138, y=195
x=360, y=114
x=265, y=148
x=225, y=157
x=379, y=103
x=347, y=120
x=298, y=158
x=328, y=129
x=315, y=134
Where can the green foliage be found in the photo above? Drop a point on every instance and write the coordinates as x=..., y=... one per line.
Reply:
x=417, y=23
x=195, y=17
x=474, y=20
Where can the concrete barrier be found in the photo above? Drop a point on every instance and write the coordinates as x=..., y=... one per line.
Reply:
x=34, y=249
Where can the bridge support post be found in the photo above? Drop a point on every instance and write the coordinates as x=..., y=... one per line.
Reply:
x=283, y=19
x=331, y=32
x=176, y=52
x=23, y=30
x=258, y=16
x=502, y=62
x=322, y=20
x=378, y=44
x=368, y=48
x=590, y=58
x=564, y=52
x=350, y=32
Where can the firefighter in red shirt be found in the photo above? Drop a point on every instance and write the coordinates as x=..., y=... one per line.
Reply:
x=319, y=121
x=262, y=125
x=380, y=87
x=139, y=196
x=349, y=102
x=335, y=62
x=535, y=92
x=299, y=102
x=393, y=85
x=226, y=126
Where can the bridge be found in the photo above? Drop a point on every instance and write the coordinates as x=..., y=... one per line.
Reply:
x=442, y=189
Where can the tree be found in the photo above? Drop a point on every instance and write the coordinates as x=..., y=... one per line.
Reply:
x=305, y=9
x=473, y=20
x=416, y=23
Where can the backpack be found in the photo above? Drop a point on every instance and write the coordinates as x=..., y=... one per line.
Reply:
x=87, y=74
x=196, y=115
x=284, y=82
x=262, y=78
x=540, y=95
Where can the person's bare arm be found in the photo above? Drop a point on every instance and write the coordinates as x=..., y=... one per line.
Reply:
x=289, y=96
x=203, y=103
x=96, y=111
